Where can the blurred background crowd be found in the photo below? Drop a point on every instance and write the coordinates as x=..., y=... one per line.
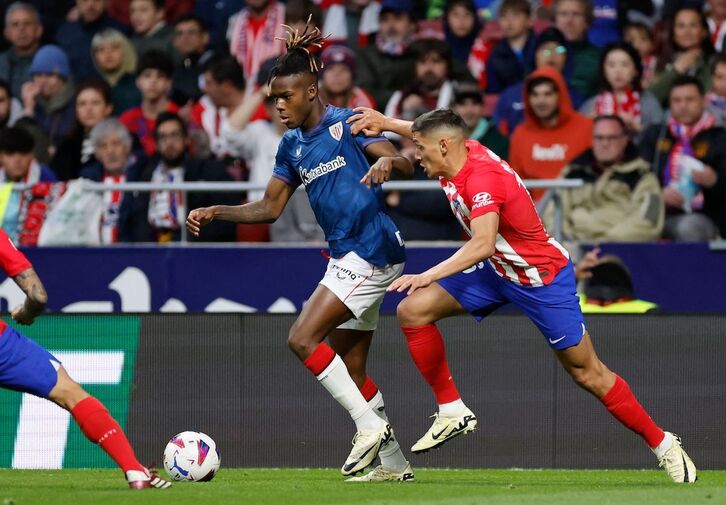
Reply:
x=629, y=96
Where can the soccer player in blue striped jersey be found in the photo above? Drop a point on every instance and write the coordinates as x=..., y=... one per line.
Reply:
x=367, y=251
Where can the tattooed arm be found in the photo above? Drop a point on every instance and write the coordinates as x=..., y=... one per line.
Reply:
x=35, y=300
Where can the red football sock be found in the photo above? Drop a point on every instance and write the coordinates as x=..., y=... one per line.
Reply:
x=319, y=359
x=102, y=429
x=428, y=352
x=622, y=404
x=368, y=389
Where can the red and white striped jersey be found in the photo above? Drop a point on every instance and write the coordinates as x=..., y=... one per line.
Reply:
x=524, y=253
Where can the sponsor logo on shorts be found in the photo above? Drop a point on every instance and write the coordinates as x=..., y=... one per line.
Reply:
x=343, y=273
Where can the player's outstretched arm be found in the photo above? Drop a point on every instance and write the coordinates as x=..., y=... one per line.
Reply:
x=35, y=297
x=266, y=210
x=387, y=162
x=478, y=248
x=372, y=123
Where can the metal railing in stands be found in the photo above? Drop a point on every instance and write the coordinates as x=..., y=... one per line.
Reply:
x=235, y=187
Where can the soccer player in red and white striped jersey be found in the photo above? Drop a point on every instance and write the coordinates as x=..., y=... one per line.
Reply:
x=510, y=258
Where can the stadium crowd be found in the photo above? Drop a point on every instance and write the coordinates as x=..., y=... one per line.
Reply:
x=628, y=96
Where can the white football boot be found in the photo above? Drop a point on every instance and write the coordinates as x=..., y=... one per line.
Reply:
x=383, y=474
x=677, y=464
x=366, y=445
x=444, y=429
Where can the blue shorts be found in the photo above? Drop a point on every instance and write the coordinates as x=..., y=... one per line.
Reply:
x=554, y=308
x=25, y=366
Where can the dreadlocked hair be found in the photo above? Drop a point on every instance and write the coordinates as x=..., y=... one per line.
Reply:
x=298, y=59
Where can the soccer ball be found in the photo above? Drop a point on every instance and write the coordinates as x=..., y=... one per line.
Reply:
x=191, y=455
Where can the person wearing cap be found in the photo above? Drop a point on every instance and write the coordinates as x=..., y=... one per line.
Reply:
x=551, y=50
x=337, y=81
x=48, y=97
x=469, y=104
x=386, y=64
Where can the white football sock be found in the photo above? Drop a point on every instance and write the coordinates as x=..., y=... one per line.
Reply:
x=452, y=409
x=391, y=455
x=336, y=379
x=666, y=444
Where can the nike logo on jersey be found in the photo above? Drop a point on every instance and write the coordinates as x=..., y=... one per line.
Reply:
x=553, y=342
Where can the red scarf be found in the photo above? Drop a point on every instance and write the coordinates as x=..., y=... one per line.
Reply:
x=253, y=47
x=609, y=103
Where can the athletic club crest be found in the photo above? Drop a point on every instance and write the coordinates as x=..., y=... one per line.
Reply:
x=336, y=131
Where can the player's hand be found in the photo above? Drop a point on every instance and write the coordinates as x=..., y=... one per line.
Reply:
x=369, y=121
x=379, y=172
x=198, y=218
x=20, y=315
x=410, y=283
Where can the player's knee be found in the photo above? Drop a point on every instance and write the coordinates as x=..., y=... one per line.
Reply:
x=410, y=315
x=67, y=393
x=299, y=344
x=589, y=378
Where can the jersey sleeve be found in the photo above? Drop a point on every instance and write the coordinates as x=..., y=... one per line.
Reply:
x=11, y=260
x=283, y=169
x=361, y=140
x=486, y=192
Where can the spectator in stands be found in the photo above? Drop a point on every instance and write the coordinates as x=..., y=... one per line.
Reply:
x=18, y=164
x=75, y=152
x=688, y=153
x=117, y=163
x=688, y=52
x=717, y=22
x=120, y=9
x=573, y=19
x=621, y=199
x=553, y=132
x=551, y=51
x=337, y=80
x=10, y=107
x=461, y=28
x=620, y=91
x=256, y=34
x=608, y=286
x=610, y=16
x=75, y=36
x=353, y=22
x=48, y=97
x=297, y=14
x=151, y=32
x=115, y=60
x=24, y=32
x=716, y=96
x=154, y=82
x=641, y=37
x=421, y=215
x=224, y=90
x=216, y=15
x=513, y=57
x=190, y=43
x=431, y=87
x=469, y=104
x=159, y=215
x=387, y=64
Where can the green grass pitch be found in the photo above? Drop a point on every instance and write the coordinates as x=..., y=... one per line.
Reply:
x=320, y=487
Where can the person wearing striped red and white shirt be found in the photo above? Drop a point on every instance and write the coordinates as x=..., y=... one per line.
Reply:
x=509, y=259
